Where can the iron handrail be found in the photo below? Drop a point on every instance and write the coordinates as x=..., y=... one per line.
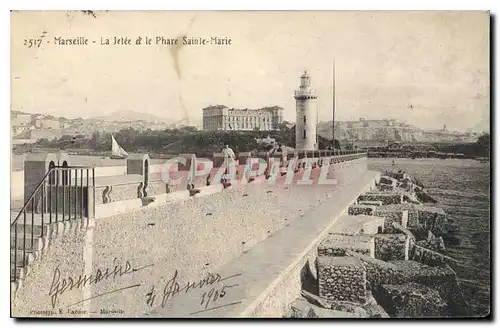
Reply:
x=52, y=169
x=66, y=203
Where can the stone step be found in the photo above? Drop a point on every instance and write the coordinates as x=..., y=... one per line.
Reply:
x=18, y=272
x=18, y=255
x=37, y=218
x=19, y=242
x=27, y=229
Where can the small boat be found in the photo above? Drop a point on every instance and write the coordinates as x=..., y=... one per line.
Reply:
x=117, y=152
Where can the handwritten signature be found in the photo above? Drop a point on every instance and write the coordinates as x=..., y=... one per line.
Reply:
x=60, y=286
x=173, y=288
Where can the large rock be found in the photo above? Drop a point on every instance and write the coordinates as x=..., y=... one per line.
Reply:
x=374, y=309
x=411, y=301
x=442, y=279
x=432, y=242
x=301, y=308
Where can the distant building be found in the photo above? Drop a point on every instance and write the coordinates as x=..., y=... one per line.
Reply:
x=36, y=134
x=224, y=118
x=42, y=123
x=21, y=120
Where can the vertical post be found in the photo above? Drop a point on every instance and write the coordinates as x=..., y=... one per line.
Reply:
x=93, y=192
x=64, y=195
x=69, y=193
x=32, y=219
x=87, y=207
x=43, y=202
x=81, y=193
x=57, y=197
x=24, y=237
x=50, y=196
x=15, y=251
x=76, y=187
x=333, y=107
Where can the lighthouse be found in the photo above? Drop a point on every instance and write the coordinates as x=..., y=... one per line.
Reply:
x=307, y=116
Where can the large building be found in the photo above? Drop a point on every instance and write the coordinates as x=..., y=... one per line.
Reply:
x=307, y=115
x=224, y=118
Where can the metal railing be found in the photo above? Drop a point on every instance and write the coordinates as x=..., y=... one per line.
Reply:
x=62, y=195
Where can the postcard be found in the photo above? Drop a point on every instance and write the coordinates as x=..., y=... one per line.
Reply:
x=250, y=164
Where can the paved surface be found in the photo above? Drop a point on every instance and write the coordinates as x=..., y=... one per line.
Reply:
x=269, y=262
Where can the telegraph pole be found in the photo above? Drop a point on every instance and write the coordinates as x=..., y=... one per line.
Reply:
x=333, y=110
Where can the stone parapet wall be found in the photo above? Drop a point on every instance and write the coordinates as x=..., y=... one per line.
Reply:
x=115, y=193
x=158, y=187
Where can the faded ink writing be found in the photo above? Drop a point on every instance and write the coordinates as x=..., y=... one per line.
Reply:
x=59, y=286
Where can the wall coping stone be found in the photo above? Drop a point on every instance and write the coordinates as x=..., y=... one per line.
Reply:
x=117, y=180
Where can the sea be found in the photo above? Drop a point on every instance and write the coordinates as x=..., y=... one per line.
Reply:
x=462, y=189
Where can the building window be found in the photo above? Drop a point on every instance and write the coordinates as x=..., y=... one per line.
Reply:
x=304, y=119
x=305, y=136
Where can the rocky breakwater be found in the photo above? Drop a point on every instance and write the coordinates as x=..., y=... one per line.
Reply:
x=386, y=258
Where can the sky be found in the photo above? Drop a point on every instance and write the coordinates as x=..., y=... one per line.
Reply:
x=427, y=69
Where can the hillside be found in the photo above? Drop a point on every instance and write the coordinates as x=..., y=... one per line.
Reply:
x=387, y=131
x=128, y=115
x=176, y=141
x=380, y=130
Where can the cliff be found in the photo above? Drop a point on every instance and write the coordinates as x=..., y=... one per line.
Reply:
x=387, y=131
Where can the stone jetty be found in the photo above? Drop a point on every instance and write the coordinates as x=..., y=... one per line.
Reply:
x=385, y=259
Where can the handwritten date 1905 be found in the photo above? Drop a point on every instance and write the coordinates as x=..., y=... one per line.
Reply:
x=213, y=294
x=172, y=288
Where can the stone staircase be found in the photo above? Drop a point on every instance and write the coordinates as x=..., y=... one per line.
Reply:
x=32, y=240
x=47, y=213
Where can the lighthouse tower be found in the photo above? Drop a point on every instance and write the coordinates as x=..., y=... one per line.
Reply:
x=305, y=128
